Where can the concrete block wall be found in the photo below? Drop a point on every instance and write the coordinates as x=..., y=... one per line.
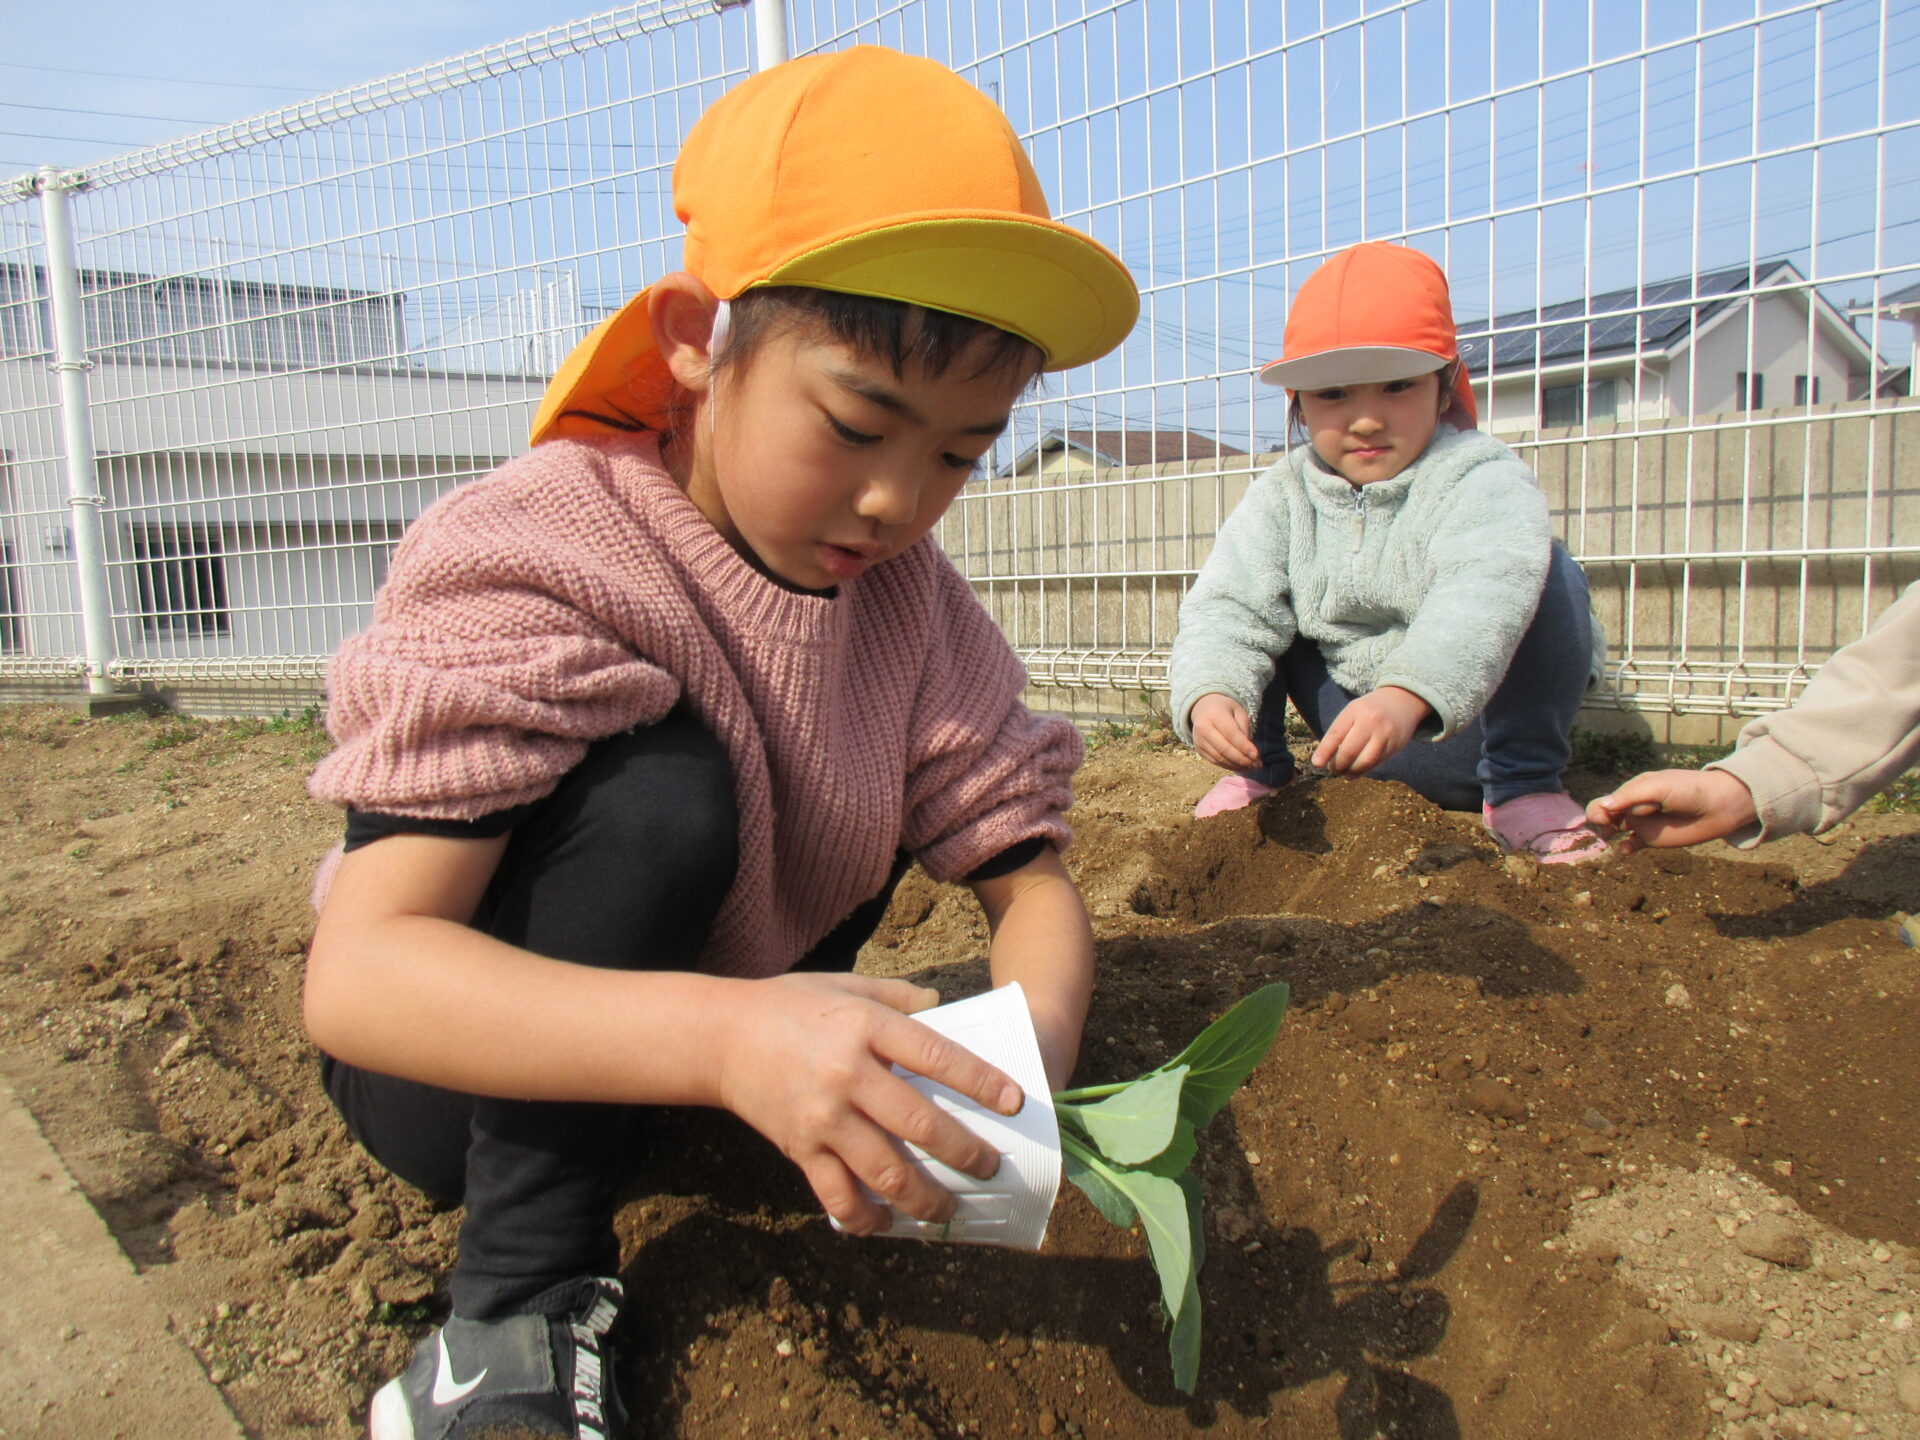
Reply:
x=1728, y=556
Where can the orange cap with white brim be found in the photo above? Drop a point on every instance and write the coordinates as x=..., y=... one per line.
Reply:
x=873, y=173
x=1373, y=313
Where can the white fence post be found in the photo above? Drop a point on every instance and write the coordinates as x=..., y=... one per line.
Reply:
x=769, y=33
x=71, y=364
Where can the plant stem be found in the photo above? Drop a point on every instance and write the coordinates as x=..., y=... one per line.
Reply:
x=1082, y=1152
x=1090, y=1092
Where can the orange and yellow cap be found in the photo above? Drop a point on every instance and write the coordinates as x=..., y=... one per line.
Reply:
x=873, y=173
x=1374, y=312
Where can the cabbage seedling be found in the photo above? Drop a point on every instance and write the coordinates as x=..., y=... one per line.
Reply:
x=1128, y=1147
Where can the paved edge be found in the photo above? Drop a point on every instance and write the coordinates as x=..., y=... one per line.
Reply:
x=85, y=1347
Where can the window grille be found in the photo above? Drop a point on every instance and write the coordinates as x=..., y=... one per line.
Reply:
x=182, y=581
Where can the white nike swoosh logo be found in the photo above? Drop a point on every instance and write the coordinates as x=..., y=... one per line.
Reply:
x=445, y=1391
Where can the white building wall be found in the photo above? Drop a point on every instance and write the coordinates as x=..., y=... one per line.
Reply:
x=282, y=468
x=1516, y=399
x=1772, y=344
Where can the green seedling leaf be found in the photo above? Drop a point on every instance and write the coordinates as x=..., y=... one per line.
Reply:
x=1163, y=1215
x=1134, y=1126
x=1173, y=1161
x=1069, y=1118
x=1129, y=1147
x=1107, y=1197
x=1183, y=1343
x=1225, y=1053
x=1162, y=1209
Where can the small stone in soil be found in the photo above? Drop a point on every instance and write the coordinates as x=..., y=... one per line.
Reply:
x=1906, y=1387
x=1774, y=1239
x=1729, y=1325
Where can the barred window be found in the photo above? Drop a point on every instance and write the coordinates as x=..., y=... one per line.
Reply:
x=1577, y=404
x=183, y=581
x=13, y=638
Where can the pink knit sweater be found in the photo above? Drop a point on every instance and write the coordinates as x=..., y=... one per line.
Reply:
x=577, y=592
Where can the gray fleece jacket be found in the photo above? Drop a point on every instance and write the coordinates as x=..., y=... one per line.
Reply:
x=1426, y=581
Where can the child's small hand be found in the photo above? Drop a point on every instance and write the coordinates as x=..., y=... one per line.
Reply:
x=1675, y=807
x=1222, y=732
x=808, y=1066
x=1372, y=729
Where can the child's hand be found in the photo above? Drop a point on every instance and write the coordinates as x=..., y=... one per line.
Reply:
x=1675, y=807
x=1373, y=728
x=1222, y=732
x=807, y=1065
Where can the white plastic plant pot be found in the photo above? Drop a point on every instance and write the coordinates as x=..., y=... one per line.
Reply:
x=1012, y=1208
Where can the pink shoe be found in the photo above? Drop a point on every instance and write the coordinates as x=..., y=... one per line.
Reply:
x=1551, y=826
x=1230, y=792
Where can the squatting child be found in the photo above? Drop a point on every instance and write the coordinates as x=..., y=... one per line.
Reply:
x=1395, y=577
x=649, y=722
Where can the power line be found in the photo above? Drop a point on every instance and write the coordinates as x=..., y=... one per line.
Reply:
x=160, y=79
x=114, y=114
x=71, y=139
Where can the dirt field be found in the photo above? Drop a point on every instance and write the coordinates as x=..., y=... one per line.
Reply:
x=1624, y=1150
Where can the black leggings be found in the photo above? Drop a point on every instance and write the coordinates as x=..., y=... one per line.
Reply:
x=623, y=867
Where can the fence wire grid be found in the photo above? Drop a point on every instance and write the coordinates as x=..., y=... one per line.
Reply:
x=1683, y=241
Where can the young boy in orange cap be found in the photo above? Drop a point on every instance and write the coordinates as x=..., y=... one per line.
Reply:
x=1395, y=577
x=649, y=722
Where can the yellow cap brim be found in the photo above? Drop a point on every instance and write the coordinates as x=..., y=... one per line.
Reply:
x=1040, y=280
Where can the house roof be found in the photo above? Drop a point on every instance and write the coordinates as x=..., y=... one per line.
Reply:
x=1133, y=447
x=1659, y=317
x=1908, y=296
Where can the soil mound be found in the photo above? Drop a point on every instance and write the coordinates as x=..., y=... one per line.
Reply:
x=1482, y=1052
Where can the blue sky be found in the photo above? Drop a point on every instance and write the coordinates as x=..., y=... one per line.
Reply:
x=1216, y=143
x=77, y=81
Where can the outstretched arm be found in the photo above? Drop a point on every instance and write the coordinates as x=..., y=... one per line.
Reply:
x=1675, y=807
x=1852, y=732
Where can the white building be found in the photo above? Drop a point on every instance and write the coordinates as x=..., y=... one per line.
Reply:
x=259, y=449
x=1725, y=342
x=1096, y=454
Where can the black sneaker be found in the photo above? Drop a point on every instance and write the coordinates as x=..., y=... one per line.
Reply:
x=541, y=1373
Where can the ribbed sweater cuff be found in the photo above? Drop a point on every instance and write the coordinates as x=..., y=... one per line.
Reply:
x=958, y=855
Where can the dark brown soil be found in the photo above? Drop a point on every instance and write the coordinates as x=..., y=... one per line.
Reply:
x=1481, y=1052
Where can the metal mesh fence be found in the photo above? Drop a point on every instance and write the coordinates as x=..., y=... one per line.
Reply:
x=1684, y=244
x=305, y=327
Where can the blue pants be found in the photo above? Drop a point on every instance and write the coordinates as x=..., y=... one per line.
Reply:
x=1519, y=745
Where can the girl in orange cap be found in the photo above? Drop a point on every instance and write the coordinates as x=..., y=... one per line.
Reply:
x=649, y=722
x=1395, y=577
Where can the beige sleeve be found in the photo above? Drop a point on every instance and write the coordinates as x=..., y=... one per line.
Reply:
x=1853, y=731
